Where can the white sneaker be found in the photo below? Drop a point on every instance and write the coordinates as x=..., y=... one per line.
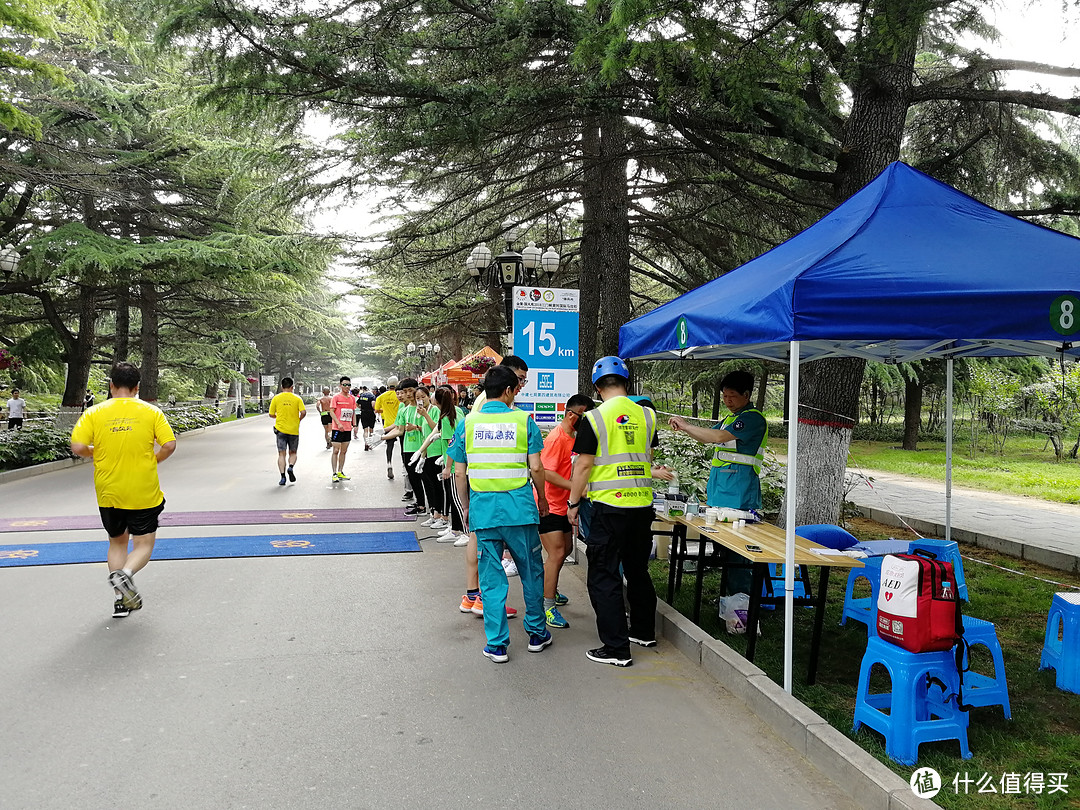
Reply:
x=429, y=522
x=463, y=540
x=510, y=567
x=449, y=536
x=440, y=524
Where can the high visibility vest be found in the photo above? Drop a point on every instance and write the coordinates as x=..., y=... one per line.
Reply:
x=725, y=454
x=497, y=449
x=621, y=474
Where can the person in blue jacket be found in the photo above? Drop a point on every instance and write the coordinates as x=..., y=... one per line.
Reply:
x=741, y=437
x=495, y=450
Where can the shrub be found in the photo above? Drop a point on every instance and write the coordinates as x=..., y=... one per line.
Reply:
x=34, y=444
x=189, y=417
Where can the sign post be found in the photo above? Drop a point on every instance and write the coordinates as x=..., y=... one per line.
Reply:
x=546, y=337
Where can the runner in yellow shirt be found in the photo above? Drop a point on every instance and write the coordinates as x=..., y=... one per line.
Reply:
x=386, y=405
x=120, y=435
x=287, y=409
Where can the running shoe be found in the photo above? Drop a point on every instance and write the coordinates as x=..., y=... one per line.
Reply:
x=537, y=641
x=463, y=540
x=643, y=642
x=430, y=522
x=478, y=608
x=560, y=600
x=390, y=473
x=440, y=524
x=343, y=477
x=467, y=603
x=510, y=567
x=292, y=475
x=281, y=483
x=449, y=536
x=497, y=654
x=408, y=496
x=602, y=656
x=413, y=509
x=555, y=619
x=118, y=610
x=129, y=594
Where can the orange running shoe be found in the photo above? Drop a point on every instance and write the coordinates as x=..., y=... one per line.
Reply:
x=478, y=607
x=467, y=605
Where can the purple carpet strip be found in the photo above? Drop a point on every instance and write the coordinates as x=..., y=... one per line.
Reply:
x=233, y=518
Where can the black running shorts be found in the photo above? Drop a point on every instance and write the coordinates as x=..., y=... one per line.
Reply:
x=341, y=436
x=132, y=521
x=554, y=523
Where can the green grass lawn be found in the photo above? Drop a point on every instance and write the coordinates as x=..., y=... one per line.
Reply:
x=1042, y=737
x=1025, y=469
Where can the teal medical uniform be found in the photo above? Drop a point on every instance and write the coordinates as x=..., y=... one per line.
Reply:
x=737, y=486
x=507, y=520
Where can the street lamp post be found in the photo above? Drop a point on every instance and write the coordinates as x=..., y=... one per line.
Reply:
x=511, y=269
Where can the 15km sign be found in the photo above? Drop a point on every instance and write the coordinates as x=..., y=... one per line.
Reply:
x=546, y=337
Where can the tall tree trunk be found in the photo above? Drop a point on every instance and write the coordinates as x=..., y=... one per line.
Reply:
x=881, y=94
x=79, y=349
x=148, y=339
x=717, y=398
x=589, y=276
x=122, y=337
x=614, y=212
x=759, y=402
x=913, y=396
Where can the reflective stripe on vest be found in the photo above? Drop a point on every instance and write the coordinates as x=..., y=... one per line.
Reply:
x=620, y=473
x=725, y=457
x=497, y=450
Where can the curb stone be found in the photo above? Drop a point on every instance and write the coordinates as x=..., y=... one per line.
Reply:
x=869, y=782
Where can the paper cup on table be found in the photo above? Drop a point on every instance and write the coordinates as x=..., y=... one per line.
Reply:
x=711, y=516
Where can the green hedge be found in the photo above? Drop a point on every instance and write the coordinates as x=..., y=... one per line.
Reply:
x=40, y=443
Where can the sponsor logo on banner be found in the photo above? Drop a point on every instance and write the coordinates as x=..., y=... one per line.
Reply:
x=545, y=381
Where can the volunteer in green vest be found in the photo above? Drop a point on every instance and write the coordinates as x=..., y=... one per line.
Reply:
x=495, y=450
x=614, y=472
x=741, y=437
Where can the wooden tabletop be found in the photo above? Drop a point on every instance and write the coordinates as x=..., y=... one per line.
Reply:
x=770, y=539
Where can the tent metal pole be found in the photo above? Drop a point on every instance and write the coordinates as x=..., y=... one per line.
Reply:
x=789, y=520
x=948, y=446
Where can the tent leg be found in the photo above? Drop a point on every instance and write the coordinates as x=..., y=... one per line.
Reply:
x=790, y=493
x=948, y=446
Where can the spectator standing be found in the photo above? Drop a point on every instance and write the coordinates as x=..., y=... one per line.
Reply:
x=120, y=435
x=556, y=534
x=16, y=410
x=287, y=410
x=494, y=451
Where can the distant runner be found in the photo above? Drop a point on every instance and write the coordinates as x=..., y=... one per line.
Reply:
x=287, y=410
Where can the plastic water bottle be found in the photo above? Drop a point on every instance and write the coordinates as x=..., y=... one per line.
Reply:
x=692, y=505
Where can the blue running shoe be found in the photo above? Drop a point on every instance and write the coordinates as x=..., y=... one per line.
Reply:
x=555, y=619
x=560, y=600
x=538, y=642
x=497, y=654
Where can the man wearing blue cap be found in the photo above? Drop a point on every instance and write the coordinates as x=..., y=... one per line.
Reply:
x=614, y=471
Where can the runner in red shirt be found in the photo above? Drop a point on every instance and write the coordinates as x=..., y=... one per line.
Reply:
x=556, y=534
x=342, y=409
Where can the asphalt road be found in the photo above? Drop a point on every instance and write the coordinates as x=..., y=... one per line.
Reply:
x=338, y=681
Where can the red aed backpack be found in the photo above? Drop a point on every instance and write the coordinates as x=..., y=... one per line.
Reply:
x=918, y=608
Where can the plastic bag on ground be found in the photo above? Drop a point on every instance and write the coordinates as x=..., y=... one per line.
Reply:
x=733, y=610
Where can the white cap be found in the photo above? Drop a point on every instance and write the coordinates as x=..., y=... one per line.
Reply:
x=392, y=382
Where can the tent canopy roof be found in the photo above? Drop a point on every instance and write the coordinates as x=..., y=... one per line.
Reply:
x=907, y=268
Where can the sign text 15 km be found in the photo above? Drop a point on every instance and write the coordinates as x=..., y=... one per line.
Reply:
x=546, y=337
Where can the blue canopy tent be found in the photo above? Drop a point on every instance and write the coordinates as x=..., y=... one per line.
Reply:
x=905, y=269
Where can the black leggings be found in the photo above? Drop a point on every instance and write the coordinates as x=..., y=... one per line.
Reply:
x=458, y=513
x=390, y=450
x=433, y=488
x=451, y=502
x=416, y=483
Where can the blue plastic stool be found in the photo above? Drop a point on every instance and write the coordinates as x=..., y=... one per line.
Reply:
x=864, y=608
x=775, y=584
x=946, y=552
x=1063, y=655
x=918, y=712
x=980, y=689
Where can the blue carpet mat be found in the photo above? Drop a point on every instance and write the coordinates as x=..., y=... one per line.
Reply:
x=191, y=548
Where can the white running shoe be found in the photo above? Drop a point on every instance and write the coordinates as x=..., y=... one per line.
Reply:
x=440, y=524
x=510, y=567
x=429, y=522
x=449, y=536
x=463, y=540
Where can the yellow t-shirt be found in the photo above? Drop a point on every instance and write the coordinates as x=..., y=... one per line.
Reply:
x=286, y=408
x=123, y=432
x=388, y=403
